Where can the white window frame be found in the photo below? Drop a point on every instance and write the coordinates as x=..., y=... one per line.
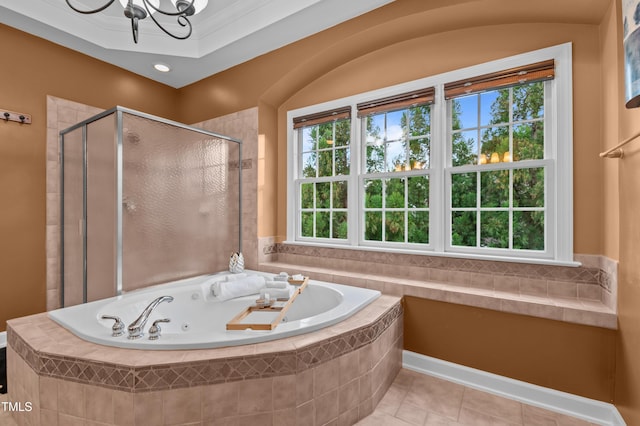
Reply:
x=558, y=164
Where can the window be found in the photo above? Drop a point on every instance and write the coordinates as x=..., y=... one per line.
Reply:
x=395, y=182
x=324, y=168
x=498, y=164
x=475, y=162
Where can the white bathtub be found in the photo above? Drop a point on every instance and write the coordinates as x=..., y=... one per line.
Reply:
x=199, y=321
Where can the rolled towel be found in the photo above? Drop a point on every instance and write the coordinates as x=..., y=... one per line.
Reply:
x=225, y=290
x=236, y=277
x=277, y=284
x=277, y=293
x=282, y=276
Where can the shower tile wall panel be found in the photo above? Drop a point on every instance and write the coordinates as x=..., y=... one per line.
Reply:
x=243, y=125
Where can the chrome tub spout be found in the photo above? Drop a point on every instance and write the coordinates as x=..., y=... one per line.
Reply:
x=136, y=328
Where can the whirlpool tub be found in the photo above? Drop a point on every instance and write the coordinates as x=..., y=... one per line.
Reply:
x=198, y=319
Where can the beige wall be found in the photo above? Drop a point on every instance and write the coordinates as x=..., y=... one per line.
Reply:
x=405, y=40
x=29, y=71
x=569, y=357
x=622, y=185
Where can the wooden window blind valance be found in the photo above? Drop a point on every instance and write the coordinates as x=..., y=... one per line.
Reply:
x=539, y=71
x=403, y=100
x=322, y=117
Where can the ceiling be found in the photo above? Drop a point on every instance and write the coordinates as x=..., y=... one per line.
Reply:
x=226, y=33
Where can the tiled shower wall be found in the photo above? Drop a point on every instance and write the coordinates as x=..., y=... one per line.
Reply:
x=243, y=125
x=62, y=114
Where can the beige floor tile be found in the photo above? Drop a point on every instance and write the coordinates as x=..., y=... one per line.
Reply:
x=492, y=405
x=469, y=417
x=390, y=402
x=382, y=419
x=534, y=416
x=418, y=399
x=5, y=417
x=412, y=414
x=436, y=396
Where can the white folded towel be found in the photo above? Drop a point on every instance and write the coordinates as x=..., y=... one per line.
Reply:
x=277, y=284
x=277, y=293
x=235, y=277
x=282, y=276
x=245, y=286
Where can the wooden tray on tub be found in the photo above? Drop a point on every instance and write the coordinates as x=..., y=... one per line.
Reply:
x=236, y=324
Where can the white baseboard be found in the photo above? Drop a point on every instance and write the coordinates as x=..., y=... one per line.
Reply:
x=587, y=409
x=3, y=339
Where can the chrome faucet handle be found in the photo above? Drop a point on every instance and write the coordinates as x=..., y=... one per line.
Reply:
x=136, y=328
x=154, y=330
x=118, y=327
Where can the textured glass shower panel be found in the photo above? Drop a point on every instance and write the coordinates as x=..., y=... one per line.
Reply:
x=73, y=205
x=179, y=219
x=101, y=208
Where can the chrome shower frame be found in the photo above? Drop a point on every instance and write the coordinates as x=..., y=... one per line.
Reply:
x=119, y=111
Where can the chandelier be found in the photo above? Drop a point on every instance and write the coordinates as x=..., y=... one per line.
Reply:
x=136, y=10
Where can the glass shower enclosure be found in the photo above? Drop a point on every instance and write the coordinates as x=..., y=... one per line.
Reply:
x=144, y=200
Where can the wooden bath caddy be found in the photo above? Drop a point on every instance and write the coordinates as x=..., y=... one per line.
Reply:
x=235, y=323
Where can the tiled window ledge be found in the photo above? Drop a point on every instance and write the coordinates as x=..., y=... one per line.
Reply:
x=574, y=310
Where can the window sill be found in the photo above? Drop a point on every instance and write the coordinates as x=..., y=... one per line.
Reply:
x=529, y=260
x=573, y=310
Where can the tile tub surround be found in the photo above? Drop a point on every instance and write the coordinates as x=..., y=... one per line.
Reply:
x=583, y=295
x=337, y=374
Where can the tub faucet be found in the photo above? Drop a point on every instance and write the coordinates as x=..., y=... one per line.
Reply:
x=136, y=328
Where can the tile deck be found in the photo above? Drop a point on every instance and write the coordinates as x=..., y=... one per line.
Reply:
x=578, y=310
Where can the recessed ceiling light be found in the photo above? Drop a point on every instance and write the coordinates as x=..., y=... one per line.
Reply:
x=162, y=67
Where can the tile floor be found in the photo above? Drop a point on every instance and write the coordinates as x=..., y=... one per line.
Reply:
x=417, y=399
x=5, y=416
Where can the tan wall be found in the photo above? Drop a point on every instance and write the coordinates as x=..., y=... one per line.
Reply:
x=569, y=357
x=623, y=180
x=29, y=71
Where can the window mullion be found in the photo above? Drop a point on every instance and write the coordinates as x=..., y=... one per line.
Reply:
x=440, y=152
x=478, y=209
x=356, y=191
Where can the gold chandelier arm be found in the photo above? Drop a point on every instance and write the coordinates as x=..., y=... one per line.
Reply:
x=87, y=12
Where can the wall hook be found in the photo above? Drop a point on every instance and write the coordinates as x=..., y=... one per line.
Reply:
x=16, y=116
